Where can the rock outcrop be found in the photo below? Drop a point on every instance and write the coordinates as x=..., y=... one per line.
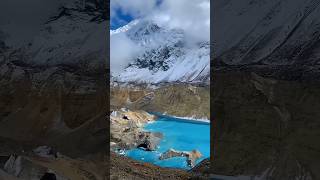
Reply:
x=126, y=128
x=24, y=168
x=38, y=166
x=149, y=141
x=191, y=156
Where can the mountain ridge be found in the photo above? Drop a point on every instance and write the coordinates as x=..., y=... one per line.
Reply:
x=267, y=34
x=164, y=56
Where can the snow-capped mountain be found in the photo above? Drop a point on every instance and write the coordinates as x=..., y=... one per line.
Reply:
x=267, y=32
x=164, y=55
x=69, y=32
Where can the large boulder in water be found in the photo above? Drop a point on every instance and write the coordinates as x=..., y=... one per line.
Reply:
x=151, y=141
x=191, y=156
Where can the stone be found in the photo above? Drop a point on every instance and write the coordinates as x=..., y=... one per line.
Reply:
x=151, y=141
x=45, y=151
x=191, y=156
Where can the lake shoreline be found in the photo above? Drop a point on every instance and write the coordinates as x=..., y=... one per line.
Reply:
x=182, y=119
x=177, y=139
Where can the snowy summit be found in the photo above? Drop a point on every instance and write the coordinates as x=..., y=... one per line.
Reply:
x=158, y=54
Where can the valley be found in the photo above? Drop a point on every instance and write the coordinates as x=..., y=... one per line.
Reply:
x=181, y=100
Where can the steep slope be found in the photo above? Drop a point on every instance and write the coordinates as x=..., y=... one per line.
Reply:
x=176, y=100
x=69, y=33
x=266, y=92
x=52, y=74
x=279, y=35
x=164, y=55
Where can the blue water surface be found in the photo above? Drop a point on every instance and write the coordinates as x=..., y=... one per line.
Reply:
x=179, y=134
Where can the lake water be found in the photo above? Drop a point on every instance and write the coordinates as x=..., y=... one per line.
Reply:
x=179, y=134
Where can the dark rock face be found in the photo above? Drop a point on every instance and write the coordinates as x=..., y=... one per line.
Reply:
x=265, y=126
x=156, y=59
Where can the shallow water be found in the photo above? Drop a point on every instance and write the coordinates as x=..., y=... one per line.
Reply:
x=179, y=134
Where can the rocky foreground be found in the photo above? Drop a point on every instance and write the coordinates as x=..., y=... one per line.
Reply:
x=124, y=168
x=46, y=163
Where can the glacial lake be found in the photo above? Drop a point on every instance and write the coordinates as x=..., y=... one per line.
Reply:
x=179, y=134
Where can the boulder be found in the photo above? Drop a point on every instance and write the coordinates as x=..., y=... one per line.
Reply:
x=151, y=141
x=21, y=167
x=191, y=156
x=46, y=151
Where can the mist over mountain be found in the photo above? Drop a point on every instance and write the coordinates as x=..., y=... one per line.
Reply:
x=158, y=54
x=167, y=41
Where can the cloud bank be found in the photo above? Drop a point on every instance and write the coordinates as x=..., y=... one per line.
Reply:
x=122, y=49
x=193, y=16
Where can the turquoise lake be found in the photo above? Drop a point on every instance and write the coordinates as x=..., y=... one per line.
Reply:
x=179, y=134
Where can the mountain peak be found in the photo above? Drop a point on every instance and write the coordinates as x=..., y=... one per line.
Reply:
x=125, y=28
x=164, y=55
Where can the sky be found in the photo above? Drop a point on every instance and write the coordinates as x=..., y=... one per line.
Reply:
x=192, y=16
x=124, y=11
x=120, y=19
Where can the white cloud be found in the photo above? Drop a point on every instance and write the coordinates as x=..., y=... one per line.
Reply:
x=193, y=16
x=122, y=49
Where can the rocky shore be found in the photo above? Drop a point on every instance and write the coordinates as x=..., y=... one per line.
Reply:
x=127, y=132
